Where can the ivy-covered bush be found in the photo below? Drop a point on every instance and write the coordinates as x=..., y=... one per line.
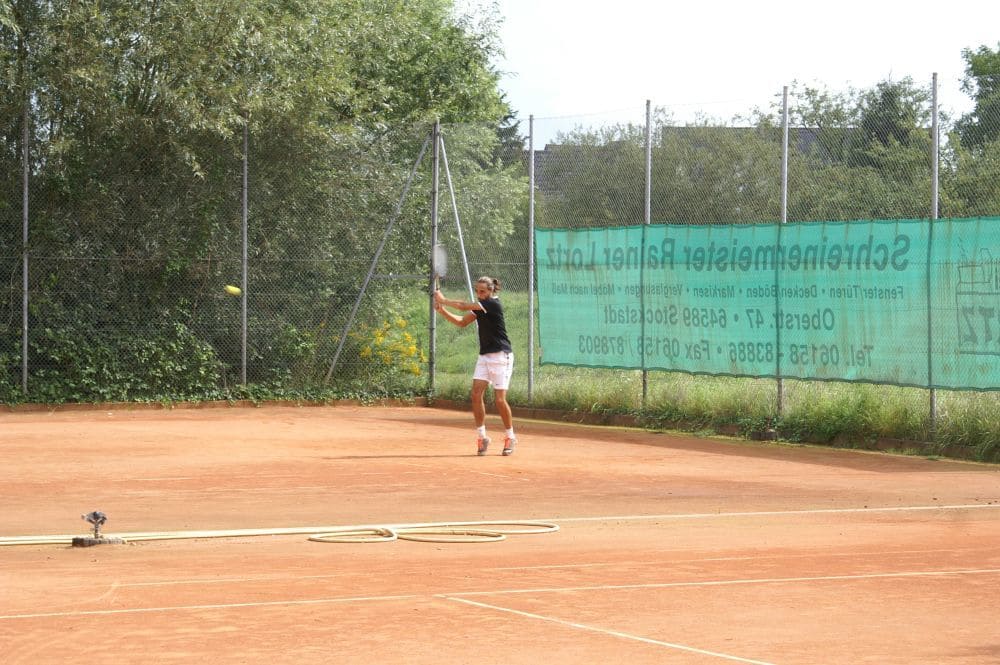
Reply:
x=78, y=364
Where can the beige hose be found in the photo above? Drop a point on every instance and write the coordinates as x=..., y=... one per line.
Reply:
x=433, y=532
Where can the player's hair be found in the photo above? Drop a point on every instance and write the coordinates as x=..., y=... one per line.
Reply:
x=491, y=282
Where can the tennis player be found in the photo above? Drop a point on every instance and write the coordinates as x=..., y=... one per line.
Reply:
x=496, y=359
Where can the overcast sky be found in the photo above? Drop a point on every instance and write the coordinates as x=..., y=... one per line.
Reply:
x=572, y=62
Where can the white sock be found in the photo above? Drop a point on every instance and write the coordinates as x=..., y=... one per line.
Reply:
x=510, y=433
x=481, y=430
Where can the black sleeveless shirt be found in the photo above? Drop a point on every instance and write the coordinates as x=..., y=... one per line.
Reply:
x=492, y=330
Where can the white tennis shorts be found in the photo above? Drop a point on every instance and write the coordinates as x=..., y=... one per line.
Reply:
x=496, y=368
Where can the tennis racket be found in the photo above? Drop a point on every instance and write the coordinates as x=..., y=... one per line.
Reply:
x=440, y=267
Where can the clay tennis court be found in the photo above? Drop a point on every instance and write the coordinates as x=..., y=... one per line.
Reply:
x=669, y=549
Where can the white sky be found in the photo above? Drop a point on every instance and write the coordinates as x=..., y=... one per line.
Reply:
x=590, y=62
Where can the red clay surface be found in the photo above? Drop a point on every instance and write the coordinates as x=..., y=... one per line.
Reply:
x=670, y=549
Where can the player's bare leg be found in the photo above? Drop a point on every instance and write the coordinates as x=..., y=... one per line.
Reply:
x=503, y=408
x=479, y=414
x=478, y=402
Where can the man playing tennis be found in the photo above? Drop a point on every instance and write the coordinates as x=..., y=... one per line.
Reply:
x=496, y=359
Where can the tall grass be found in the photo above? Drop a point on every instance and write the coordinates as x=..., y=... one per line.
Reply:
x=821, y=412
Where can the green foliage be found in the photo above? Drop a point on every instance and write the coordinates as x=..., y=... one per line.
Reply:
x=490, y=191
x=10, y=376
x=853, y=156
x=151, y=365
x=712, y=402
x=971, y=187
x=825, y=414
x=137, y=128
x=889, y=116
x=413, y=62
x=386, y=355
x=575, y=389
x=970, y=421
x=592, y=179
x=982, y=83
x=7, y=15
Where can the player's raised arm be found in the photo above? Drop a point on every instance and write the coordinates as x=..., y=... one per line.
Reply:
x=458, y=304
x=460, y=321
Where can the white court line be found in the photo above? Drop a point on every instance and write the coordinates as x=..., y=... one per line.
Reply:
x=454, y=595
x=571, y=566
x=220, y=606
x=760, y=513
x=755, y=557
x=605, y=631
x=760, y=580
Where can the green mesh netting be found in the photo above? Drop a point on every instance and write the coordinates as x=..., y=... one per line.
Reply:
x=855, y=301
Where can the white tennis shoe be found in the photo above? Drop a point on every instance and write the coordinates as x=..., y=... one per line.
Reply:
x=482, y=443
x=508, y=446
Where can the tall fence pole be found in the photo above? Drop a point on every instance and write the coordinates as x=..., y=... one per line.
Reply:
x=930, y=245
x=246, y=239
x=646, y=218
x=784, y=219
x=531, y=258
x=25, y=156
x=432, y=325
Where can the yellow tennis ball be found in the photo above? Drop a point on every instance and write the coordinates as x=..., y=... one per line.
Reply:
x=233, y=290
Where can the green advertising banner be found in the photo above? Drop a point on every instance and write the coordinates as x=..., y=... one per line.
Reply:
x=965, y=327
x=897, y=302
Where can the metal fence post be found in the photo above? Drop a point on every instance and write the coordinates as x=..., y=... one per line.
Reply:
x=531, y=258
x=930, y=245
x=784, y=220
x=246, y=235
x=432, y=327
x=646, y=218
x=25, y=156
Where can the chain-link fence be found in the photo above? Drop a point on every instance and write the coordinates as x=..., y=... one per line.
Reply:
x=870, y=158
x=132, y=235
x=131, y=241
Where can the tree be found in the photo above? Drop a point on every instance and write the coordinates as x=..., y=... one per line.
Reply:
x=7, y=17
x=138, y=111
x=970, y=187
x=511, y=144
x=982, y=84
x=889, y=115
x=491, y=195
x=853, y=155
x=592, y=178
x=859, y=154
